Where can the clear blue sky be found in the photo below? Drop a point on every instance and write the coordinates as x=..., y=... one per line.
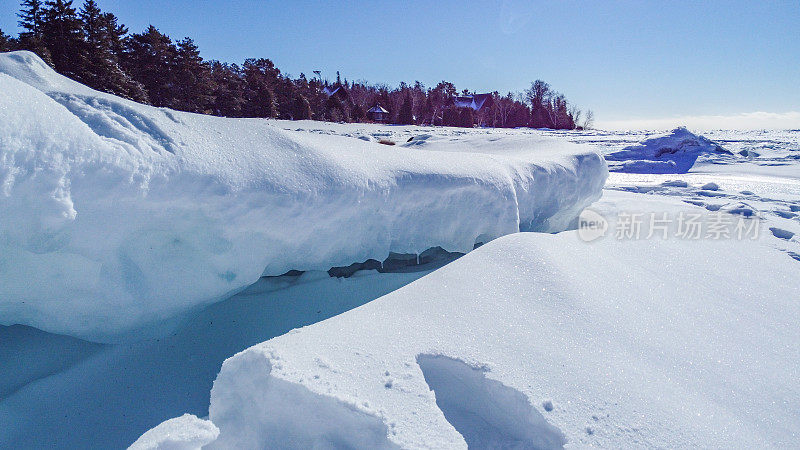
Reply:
x=625, y=60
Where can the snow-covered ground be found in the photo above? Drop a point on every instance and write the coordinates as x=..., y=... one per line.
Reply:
x=546, y=340
x=539, y=340
x=133, y=241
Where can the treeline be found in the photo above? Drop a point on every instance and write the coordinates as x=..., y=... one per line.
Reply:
x=91, y=46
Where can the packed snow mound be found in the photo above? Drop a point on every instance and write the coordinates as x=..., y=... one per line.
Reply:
x=117, y=215
x=674, y=152
x=640, y=343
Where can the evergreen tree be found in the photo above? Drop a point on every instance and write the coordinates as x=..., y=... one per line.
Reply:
x=5, y=42
x=228, y=90
x=121, y=83
x=63, y=37
x=149, y=58
x=98, y=58
x=286, y=98
x=450, y=117
x=101, y=68
x=538, y=97
x=466, y=118
x=115, y=33
x=301, y=108
x=260, y=77
x=428, y=111
x=405, y=116
x=357, y=113
x=192, y=79
x=31, y=20
x=260, y=101
x=520, y=115
x=93, y=30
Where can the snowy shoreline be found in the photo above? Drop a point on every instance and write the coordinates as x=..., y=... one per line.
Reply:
x=180, y=241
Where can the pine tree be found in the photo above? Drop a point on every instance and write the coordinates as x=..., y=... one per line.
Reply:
x=102, y=39
x=428, y=111
x=406, y=116
x=301, y=109
x=115, y=32
x=450, y=117
x=99, y=58
x=62, y=35
x=5, y=42
x=192, y=79
x=32, y=22
x=286, y=98
x=466, y=118
x=31, y=19
x=92, y=47
x=91, y=17
x=357, y=113
x=260, y=101
x=149, y=59
x=228, y=89
x=538, y=96
x=260, y=76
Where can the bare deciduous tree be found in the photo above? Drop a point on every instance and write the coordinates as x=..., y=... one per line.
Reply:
x=588, y=121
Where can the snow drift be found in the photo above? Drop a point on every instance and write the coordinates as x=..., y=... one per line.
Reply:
x=673, y=152
x=641, y=343
x=116, y=215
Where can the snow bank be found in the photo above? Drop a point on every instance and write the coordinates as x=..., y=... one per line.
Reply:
x=641, y=343
x=674, y=152
x=297, y=417
x=117, y=215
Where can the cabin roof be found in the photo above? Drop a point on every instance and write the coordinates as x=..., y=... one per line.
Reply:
x=378, y=109
x=475, y=101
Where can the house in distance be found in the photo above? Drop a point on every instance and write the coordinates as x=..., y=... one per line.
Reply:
x=378, y=114
x=474, y=102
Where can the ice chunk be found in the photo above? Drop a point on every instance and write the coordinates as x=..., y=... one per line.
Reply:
x=674, y=152
x=675, y=183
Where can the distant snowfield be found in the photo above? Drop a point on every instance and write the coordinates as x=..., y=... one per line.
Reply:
x=140, y=235
x=758, y=120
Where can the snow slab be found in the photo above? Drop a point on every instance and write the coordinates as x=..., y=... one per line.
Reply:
x=542, y=341
x=118, y=216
